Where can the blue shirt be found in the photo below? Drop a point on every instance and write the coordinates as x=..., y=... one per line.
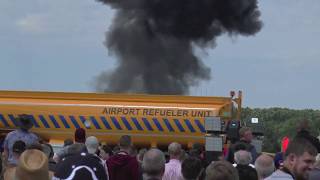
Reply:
x=27, y=137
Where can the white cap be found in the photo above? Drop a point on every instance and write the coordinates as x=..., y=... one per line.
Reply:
x=92, y=144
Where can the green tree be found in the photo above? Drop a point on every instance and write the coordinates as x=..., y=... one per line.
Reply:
x=280, y=122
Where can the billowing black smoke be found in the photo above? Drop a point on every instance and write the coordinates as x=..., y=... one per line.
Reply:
x=154, y=40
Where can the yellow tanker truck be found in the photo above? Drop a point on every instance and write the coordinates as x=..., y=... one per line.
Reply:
x=151, y=120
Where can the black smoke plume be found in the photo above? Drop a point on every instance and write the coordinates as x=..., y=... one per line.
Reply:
x=154, y=39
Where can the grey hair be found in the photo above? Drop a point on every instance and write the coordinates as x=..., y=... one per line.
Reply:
x=153, y=163
x=174, y=149
x=242, y=157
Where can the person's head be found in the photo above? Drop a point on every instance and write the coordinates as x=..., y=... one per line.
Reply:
x=245, y=133
x=246, y=172
x=125, y=142
x=242, y=157
x=191, y=168
x=240, y=146
x=300, y=157
x=48, y=150
x=24, y=122
x=74, y=149
x=105, y=152
x=116, y=149
x=80, y=135
x=183, y=155
x=92, y=144
x=221, y=170
x=153, y=164
x=196, y=149
x=33, y=165
x=67, y=142
x=18, y=148
x=174, y=150
x=133, y=151
x=264, y=165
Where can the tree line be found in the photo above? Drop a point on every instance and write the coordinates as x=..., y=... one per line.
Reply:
x=279, y=122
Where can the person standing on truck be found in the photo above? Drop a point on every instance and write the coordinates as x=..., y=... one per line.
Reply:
x=23, y=134
x=123, y=166
x=244, y=143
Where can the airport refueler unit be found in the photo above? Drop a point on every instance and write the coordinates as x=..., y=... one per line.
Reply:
x=151, y=120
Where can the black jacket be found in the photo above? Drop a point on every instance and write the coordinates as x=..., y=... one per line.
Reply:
x=241, y=145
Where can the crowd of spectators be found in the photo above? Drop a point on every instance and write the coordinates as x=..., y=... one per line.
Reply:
x=85, y=158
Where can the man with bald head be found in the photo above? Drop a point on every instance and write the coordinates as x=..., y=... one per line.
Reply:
x=153, y=164
x=173, y=167
x=264, y=166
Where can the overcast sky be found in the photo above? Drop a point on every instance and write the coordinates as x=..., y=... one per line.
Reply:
x=58, y=46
